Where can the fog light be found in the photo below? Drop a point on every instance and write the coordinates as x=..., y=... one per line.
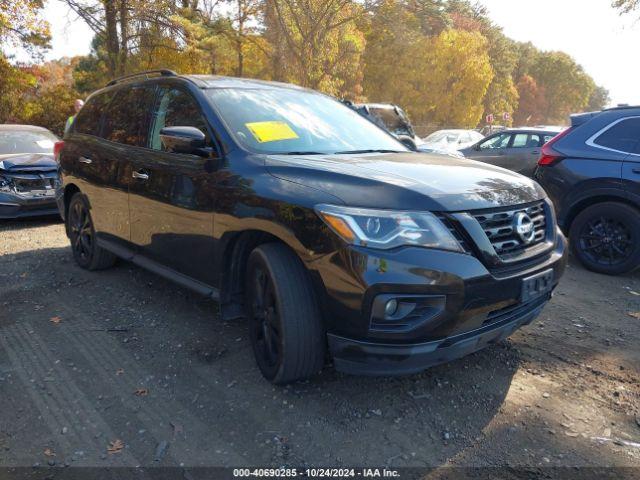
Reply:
x=391, y=308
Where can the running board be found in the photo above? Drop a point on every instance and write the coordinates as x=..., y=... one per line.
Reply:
x=159, y=269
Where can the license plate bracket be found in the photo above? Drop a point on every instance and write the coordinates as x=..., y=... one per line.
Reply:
x=536, y=285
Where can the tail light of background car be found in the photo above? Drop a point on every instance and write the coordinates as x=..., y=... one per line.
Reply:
x=549, y=155
x=57, y=148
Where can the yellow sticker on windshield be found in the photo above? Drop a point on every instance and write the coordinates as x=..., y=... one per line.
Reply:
x=271, y=131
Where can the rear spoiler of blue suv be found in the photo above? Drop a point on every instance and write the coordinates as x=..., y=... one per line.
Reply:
x=578, y=119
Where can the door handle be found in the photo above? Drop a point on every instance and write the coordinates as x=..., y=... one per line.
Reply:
x=85, y=160
x=535, y=152
x=636, y=170
x=140, y=175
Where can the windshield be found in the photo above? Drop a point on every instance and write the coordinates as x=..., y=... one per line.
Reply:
x=25, y=141
x=442, y=136
x=292, y=121
x=392, y=121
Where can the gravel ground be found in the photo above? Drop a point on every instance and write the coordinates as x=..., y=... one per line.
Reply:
x=122, y=368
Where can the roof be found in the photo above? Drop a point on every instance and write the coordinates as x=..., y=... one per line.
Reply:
x=389, y=106
x=543, y=129
x=202, y=81
x=218, y=81
x=11, y=127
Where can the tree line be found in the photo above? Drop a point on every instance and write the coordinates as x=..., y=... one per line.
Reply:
x=444, y=61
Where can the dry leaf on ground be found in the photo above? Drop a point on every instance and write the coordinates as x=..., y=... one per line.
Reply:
x=120, y=371
x=49, y=453
x=55, y=320
x=141, y=392
x=115, y=447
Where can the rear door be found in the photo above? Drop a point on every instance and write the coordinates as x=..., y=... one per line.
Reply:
x=523, y=153
x=623, y=136
x=171, y=195
x=124, y=136
x=87, y=164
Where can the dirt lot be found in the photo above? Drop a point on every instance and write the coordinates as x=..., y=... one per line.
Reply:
x=90, y=359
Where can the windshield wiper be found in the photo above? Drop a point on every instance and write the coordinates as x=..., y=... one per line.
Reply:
x=367, y=151
x=302, y=153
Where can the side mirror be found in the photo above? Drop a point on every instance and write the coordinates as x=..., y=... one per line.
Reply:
x=183, y=140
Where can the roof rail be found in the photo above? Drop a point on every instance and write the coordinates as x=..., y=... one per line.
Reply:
x=147, y=74
x=622, y=106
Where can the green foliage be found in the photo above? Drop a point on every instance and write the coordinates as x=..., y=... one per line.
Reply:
x=21, y=24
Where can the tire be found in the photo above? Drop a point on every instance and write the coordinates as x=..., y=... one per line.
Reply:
x=79, y=224
x=605, y=238
x=285, y=323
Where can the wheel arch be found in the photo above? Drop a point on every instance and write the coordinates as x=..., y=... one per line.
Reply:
x=580, y=205
x=234, y=255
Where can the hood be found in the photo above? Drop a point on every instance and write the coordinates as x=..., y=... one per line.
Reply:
x=407, y=181
x=28, y=162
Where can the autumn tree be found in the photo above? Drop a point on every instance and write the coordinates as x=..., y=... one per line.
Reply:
x=389, y=57
x=567, y=87
x=626, y=6
x=22, y=24
x=532, y=103
x=453, y=73
x=323, y=45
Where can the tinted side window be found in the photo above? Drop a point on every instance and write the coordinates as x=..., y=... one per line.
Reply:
x=499, y=141
x=175, y=108
x=623, y=136
x=127, y=116
x=88, y=119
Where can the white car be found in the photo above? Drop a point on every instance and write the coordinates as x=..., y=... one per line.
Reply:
x=452, y=139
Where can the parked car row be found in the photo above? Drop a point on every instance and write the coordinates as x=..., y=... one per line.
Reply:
x=326, y=226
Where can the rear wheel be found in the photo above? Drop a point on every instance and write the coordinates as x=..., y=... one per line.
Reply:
x=284, y=318
x=86, y=251
x=606, y=238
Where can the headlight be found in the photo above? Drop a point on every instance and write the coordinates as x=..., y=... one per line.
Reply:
x=386, y=229
x=5, y=184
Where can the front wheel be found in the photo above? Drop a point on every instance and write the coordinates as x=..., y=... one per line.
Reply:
x=284, y=318
x=605, y=237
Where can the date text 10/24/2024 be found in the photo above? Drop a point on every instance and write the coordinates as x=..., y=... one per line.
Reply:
x=316, y=472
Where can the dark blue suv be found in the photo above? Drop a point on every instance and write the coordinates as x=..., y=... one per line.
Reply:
x=591, y=171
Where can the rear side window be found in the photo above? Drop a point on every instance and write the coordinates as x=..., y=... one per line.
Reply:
x=127, y=117
x=622, y=136
x=88, y=119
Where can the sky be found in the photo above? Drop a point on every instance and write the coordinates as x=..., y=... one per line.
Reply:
x=592, y=32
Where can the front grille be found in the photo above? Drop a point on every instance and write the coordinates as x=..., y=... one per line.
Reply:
x=499, y=228
x=32, y=183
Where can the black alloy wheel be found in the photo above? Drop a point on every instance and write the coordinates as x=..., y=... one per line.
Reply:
x=86, y=252
x=606, y=241
x=605, y=237
x=285, y=324
x=80, y=231
x=265, y=325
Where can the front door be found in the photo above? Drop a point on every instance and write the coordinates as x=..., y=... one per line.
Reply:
x=492, y=150
x=171, y=196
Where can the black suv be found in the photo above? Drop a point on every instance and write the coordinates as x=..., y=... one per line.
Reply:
x=592, y=173
x=319, y=227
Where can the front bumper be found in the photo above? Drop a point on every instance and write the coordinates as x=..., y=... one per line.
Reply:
x=366, y=358
x=25, y=205
x=473, y=306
